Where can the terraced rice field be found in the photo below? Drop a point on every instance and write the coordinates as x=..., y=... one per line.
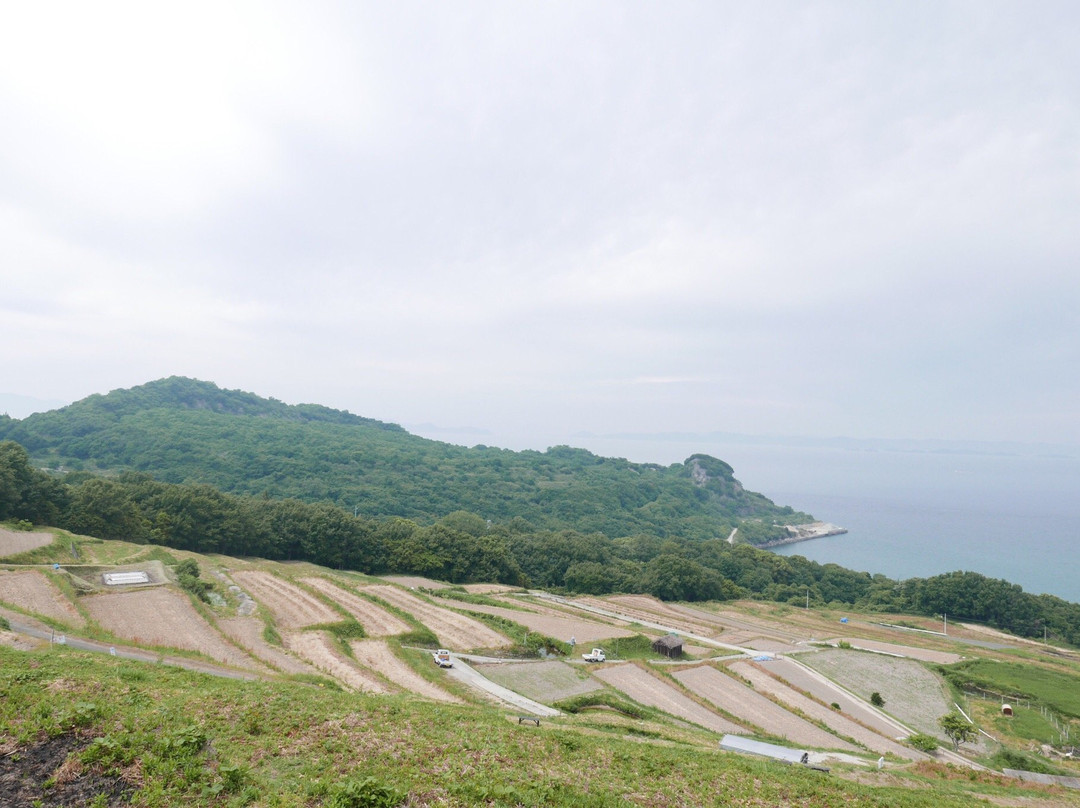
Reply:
x=584, y=631
x=924, y=654
x=912, y=693
x=546, y=682
x=840, y=724
x=33, y=591
x=748, y=705
x=322, y=651
x=455, y=631
x=13, y=542
x=643, y=687
x=164, y=617
x=290, y=605
x=376, y=655
x=377, y=622
x=247, y=632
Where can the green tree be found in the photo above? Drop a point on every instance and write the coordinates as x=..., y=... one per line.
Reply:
x=957, y=729
x=876, y=699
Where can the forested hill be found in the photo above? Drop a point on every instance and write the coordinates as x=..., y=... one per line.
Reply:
x=184, y=430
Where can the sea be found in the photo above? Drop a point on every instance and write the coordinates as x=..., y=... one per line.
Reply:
x=911, y=508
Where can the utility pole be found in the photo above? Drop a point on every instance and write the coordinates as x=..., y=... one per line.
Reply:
x=807, y=598
x=944, y=623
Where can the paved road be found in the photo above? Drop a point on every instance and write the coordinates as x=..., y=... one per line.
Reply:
x=469, y=676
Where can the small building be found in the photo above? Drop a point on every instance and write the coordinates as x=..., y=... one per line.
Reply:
x=1006, y=709
x=670, y=646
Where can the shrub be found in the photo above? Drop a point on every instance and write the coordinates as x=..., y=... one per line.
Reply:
x=923, y=742
x=876, y=699
x=366, y=793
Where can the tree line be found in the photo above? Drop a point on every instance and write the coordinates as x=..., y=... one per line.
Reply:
x=462, y=547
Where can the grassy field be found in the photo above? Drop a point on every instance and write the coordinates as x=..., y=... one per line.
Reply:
x=1056, y=689
x=162, y=736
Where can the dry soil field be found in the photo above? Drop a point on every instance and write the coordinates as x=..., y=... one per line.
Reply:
x=247, y=632
x=13, y=542
x=321, y=650
x=912, y=693
x=837, y=722
x=643, y=607
x=455, y=631
x=376, y=654
x=164, y=617
x=377, y=622
x=545, y=682
x=32, y=590
x=290, y=605
x=925, y=654
x=585, y=632
x=748, y=705
x=643, y=687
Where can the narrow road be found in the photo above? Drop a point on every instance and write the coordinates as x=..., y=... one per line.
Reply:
x=469, y=676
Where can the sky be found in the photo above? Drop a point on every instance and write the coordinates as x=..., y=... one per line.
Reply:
x=534, y=220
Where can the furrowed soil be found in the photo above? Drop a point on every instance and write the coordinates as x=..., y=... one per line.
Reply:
x=924, y=654
x=33, y=591
x=643, y=687
x=912, y=693
x=455, y=631
x=164, y=617
x=561, y=628
x=748, y=705
x=247, y=632
x=840, y=724
x=642, y=607
x=13, y=542
x=322, y=651
x=290, y=605
x=545, y=682
x=377, y=622
x=376, y=654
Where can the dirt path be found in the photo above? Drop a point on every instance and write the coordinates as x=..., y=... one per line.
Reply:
x=748, y=705
x=321, y=650
x=561, y=628
x=838, y=723
x=376, y=654
x=455, y=631
x=377, y=622
x=13, y=542
x=290, y=605
x=643, y=687
x=247, y=632
x=33, y=591
x=164, y=617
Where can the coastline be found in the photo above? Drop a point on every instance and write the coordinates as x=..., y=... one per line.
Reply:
x=814, y=530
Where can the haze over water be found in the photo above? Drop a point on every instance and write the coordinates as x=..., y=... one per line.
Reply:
x=912, y=509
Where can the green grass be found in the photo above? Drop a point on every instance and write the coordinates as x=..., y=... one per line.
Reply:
x=199, y=740
x=1028, y=724
x=1056, y=689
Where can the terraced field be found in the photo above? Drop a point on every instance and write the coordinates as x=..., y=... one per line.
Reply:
x=33, y=591
x=290, y=605
x=455, y=631
x=377, y=622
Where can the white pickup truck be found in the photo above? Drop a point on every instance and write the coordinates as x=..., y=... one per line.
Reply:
x=442, y=658
x=595, y=655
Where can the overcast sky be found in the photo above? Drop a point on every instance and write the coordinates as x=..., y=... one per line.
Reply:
x=849, y=218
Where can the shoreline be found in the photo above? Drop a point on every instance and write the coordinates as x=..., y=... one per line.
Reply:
x=814, y=530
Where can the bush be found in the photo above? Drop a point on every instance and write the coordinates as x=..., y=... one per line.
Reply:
x=366, y=793
x=923, y=742
x=876, y=699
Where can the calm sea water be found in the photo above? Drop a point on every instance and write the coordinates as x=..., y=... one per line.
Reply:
x=912, y=510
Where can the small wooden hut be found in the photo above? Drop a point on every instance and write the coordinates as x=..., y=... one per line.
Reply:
x=670, y=646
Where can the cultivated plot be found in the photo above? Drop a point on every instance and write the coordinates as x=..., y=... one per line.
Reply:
x=322, y=651
x=748, y=705
x=33, y=591
x=652, y=691
x=642, y=607
x=13, y=542
x=546, y=682
x=837, y=722
x=377, y=622
x=376, y=654
x=164, y=617
x=414, y=582
x=290, y=605
x=912, y=693
x=455, y=631
x=559, y=627
x=925, y=654
x=247, y=632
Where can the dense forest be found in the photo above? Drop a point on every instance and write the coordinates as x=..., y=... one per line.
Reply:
x=187, y=431
x=462, y=547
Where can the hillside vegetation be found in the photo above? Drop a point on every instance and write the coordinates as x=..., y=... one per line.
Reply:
x=183, y=430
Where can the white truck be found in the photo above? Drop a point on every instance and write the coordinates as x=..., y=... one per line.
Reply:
x=442, y=658
x=595, y=655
